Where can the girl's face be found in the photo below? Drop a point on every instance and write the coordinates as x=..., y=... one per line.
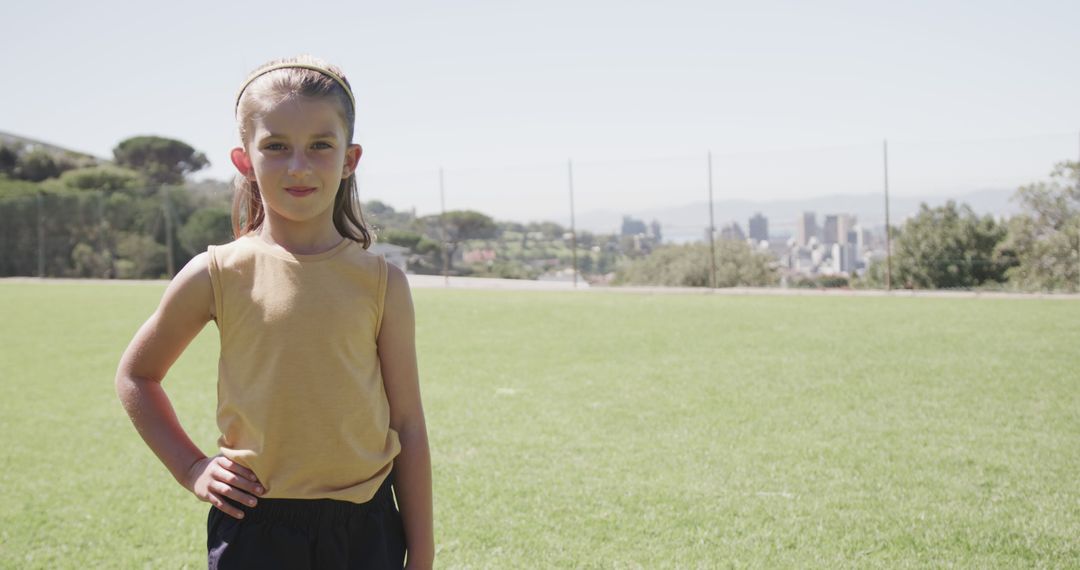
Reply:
x=298, y=155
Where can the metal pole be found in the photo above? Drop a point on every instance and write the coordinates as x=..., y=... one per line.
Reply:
x=166, y=207
x=573, y=229
x=41, y=234
x=712, y=231
x=888, y=238
x=101, y=242
x=442, y=226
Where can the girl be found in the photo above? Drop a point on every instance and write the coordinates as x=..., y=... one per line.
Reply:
x=318, y=393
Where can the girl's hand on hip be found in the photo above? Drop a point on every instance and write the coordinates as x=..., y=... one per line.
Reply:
x=211, y=479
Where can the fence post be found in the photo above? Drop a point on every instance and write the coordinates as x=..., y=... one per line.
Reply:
x=573, y=229
x=712, y=231
x=166, y=206
x=41, y=233
x=442, y=227
x=888, y=236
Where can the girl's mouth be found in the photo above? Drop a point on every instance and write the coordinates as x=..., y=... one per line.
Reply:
x=300, y=191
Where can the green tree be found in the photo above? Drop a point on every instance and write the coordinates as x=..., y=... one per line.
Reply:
x=737, y=264
x=459, y=225
x=88, y=262
x=208, y=226
x=37, y=165
x=948, y=246
x=141, y=256
x=404, y=238
x=43, y=222
x=1045, y=238
x=161, y=160
x=106, y=178
x=377, y=207
x=19, y=201
x=551, y=230
x=9, y=159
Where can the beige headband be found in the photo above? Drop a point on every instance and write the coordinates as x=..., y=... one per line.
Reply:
x=322, y=70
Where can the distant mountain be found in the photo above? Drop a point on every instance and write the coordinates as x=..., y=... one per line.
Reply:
x=688, y=222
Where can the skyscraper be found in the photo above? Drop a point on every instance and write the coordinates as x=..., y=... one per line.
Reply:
x=732, y=231
x=845, y=224
x=759, y=228
x=829, y=234
x=806, y=228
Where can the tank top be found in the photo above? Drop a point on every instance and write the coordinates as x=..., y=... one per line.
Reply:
x=301, y=400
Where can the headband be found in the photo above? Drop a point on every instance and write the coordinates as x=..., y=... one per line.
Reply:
x=340, y=80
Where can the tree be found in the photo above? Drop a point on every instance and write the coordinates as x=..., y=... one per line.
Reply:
x=162, y=160
x=1045, y=238
x=141, y=256
x=19, y=201
x=106, y=178
x=948, y=247
x=459, y=225
x=88, y=262
x=37, y=165
x=205, y=227
x=551, y=230
x=377, y=207
x=404, y=238
x=737, y=264
x=9, y=159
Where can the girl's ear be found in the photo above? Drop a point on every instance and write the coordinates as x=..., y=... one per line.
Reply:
x=242, y=162
x=352, y=157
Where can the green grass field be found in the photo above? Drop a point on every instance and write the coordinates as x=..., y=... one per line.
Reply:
x=610, y=430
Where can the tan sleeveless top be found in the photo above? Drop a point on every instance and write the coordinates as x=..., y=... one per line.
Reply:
x=301, y=400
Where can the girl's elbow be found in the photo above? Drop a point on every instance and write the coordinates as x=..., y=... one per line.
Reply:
x=128, y=385
x=412, y=429
x=125, y=386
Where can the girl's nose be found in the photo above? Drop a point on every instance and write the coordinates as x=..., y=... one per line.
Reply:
x=298, y=164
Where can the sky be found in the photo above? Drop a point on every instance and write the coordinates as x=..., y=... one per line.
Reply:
x=792, y=99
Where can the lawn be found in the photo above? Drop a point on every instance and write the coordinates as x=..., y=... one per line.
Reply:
x=609, y=430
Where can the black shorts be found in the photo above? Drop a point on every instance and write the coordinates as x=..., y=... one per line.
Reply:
x=309, y=533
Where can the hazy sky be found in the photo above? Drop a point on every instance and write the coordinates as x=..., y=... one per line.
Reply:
x=793, y=98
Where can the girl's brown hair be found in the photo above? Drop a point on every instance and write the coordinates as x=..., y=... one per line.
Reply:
x=275, y=86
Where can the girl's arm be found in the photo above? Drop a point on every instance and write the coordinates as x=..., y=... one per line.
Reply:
x=185, y=308
x=412, y=468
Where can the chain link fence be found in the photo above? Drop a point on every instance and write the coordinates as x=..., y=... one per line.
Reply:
x=813, y=217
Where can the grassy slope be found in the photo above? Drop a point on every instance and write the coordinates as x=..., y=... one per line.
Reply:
x=610, y=430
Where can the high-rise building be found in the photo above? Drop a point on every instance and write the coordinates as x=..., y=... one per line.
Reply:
x=829, y=234
x=806, y=228
x=864, y=240
x=631, y=227
x=654, y=227
x=732, y=231
x=845, y=224
x=759, y=228
x=843, y=257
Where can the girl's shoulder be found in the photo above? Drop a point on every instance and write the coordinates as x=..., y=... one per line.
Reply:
x=190, y=291
x=245, y=243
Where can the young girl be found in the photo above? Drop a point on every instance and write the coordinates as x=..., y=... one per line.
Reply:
x=318, y=397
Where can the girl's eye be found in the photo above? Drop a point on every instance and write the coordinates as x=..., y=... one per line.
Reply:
x=274, y=146
x=322, y=145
